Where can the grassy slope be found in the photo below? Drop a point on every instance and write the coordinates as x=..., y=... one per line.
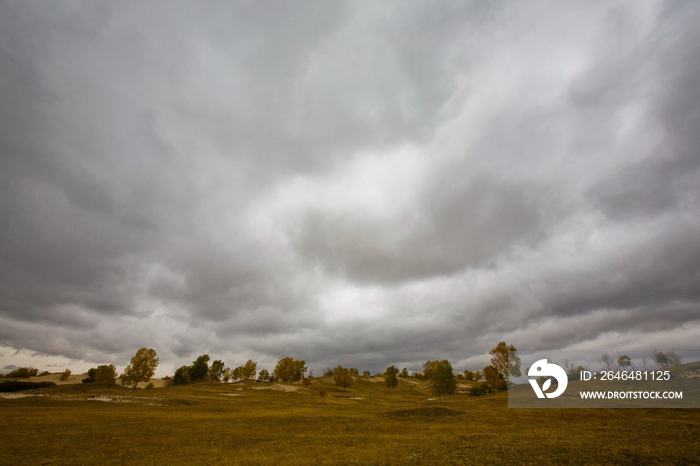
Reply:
x=198, y=425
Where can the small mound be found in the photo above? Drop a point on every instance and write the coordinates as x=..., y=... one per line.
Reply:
x=426, y=414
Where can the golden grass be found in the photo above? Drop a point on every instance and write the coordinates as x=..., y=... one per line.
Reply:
x=364, y=425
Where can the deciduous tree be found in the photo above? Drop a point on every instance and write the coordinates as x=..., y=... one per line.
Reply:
x=103, y=374
x=442, y=379
x=342, y=377
x=505, y=361
x=141, y=368
x=199, y=369
x=216, y=371
x=289, y=370
x=181, y=376
x=607, y=363
x=249, y=370
x=390, y=379
x=666, y=360
x=494, y=379
x=624, y=361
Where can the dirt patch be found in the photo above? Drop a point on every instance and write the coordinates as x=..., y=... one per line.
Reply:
x=690, y=374
x=231, y=394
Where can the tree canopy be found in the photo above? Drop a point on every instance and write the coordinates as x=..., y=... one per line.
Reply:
x=494, y=379
x=289, y=370
x=142, y=367
x=342, y=377
x=199, y=370
x=505, y=361
x=181, y=376
x=103, y=374
x=442, y=380
x=390, y=377
x=216, y=371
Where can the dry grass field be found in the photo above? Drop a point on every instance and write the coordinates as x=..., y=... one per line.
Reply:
x=254, y=423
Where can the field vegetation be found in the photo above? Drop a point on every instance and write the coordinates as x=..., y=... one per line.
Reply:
x=250, y=422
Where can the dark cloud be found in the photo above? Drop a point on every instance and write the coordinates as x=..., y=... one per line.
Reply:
x=461, y=224
x=346, y=183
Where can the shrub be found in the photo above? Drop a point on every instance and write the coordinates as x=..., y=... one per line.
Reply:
x=44, y=373
x=107, y=374
x=14, y=386
x=23, y=373
x=88, y=380
x=478, y=390
x=150, y=385
x=65, y=374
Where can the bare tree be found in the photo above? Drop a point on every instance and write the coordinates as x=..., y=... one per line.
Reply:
x=607, y=362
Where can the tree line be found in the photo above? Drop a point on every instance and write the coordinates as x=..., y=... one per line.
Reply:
x=439, y=374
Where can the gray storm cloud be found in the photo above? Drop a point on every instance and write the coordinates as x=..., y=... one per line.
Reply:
x=347, y=183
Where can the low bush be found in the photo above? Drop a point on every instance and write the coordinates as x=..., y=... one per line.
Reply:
x=22, y=373
x=478, y=390
x=8, y=387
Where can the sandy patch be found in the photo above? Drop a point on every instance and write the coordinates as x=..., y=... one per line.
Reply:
x=411, y=382
x=375, y=379
x=123, y=399
x=690, y=374
x=279, y=388
x=231, y=394
x=56, y=378
x=11, y=396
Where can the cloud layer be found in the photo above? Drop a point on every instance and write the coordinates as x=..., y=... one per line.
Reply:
x=347, y=183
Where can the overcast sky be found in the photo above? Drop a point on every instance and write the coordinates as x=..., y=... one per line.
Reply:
x=355, y=183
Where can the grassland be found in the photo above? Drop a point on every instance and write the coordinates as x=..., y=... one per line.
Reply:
x=253, y=423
